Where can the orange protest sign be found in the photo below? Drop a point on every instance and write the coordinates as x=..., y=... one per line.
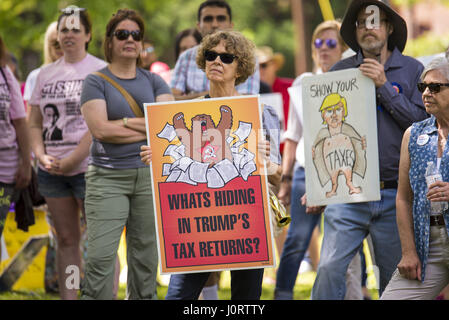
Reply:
x=210, y=189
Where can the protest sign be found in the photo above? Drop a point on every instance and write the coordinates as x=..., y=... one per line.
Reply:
x=340, y=138
x=209, y=186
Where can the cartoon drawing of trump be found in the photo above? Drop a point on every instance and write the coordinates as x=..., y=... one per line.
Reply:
x=338, y=148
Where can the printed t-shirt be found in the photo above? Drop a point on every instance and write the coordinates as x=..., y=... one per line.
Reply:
x=57, y=93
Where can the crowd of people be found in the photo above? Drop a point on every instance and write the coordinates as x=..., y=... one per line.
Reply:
x=80, y=122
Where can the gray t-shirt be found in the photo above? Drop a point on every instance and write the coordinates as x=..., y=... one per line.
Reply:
x=144, y=88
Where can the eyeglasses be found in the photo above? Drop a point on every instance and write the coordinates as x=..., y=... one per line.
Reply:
x=124, y=34
x=220, y=18
x=362, y=23
x=433, y=87
x=227, y=58
x=330, y=43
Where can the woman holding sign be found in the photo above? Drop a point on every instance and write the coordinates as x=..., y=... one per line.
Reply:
x=228, y=59
x=118, y=189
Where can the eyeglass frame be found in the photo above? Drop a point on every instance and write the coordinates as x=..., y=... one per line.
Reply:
x=423, y=86
x=362, y=25
x=223, y=56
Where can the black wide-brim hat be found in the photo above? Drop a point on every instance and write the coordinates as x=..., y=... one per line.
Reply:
x=397, y=39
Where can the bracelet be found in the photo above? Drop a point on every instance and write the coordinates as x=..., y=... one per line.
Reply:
x=287, y=177
x=125, y=122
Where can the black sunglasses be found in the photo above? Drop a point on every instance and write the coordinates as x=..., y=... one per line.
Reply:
x=330, y=43
x=433, y=87
x=224, y=57
x=124, y=34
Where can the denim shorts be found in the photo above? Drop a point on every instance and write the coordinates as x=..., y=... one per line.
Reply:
x=53, y=186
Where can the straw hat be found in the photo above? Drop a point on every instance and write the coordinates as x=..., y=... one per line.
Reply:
x=266, y=54
x=397, y=39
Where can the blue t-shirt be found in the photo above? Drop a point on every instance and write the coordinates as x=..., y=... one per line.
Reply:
x=144, y=88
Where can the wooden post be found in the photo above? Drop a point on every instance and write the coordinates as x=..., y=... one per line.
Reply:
x=301, y=49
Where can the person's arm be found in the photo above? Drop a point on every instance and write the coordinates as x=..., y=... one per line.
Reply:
x=95, y=114
x=37, y=143
x=81, y=152
x=410, y=265
x=138, y=124
x=23, y=175
x=405, y=109
x=288, y=161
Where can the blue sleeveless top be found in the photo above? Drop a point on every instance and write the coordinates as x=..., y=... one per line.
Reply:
x=423, y=147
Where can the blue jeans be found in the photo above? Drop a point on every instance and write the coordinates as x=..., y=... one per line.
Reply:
x=298, y=239
x=345, y=227
x=245, y=285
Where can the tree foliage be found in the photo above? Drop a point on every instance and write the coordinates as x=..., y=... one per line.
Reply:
x=266, y=22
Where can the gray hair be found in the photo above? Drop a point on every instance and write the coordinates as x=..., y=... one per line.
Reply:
x=439, y=64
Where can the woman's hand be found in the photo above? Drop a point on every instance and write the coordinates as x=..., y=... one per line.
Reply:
x=313, y=209
x=438, y=191
x=410, y=266
x=146, y=154
x=263, y=147
x=50, y=163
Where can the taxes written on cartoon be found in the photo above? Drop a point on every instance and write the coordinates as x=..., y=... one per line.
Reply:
x=340, y=138
x=338, y=148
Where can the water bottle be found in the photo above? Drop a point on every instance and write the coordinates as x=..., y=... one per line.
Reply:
x=433, y=175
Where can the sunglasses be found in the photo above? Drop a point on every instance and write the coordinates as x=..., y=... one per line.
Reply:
x=220, y=18
x=224, y=57
x=433, y=87
x=330, y=43
x=124, y=34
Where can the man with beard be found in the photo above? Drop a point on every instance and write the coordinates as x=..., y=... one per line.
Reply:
x=190, y=82
x=378, y=35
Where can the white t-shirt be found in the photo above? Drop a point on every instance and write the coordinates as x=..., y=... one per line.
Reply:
x=30, y=83
x=57, y=93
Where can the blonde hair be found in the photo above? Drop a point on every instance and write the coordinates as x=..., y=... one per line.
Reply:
x=47, y=45
x=327, y=25
x=331, y=102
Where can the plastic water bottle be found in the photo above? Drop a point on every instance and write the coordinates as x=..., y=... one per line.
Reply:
x=433, y=175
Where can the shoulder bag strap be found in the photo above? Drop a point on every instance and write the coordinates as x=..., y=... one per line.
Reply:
x=132, y=103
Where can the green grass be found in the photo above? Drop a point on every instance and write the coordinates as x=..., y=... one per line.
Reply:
x=302, y=289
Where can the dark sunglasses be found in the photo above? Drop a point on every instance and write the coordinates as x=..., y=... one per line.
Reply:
x=330, y=43
x=433, y=87
x=124, y=34
x=220, y=18
x=224, y=57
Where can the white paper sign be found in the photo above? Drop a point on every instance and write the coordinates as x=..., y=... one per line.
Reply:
x=340, y=138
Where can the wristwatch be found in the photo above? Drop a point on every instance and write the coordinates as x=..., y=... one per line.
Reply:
x=125, y=122
x=286, y=177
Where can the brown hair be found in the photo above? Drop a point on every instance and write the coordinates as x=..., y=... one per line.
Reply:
x=121, y=15
x=236, y=44
x=84, y=18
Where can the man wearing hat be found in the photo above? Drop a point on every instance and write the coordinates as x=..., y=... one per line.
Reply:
x=378, y=35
